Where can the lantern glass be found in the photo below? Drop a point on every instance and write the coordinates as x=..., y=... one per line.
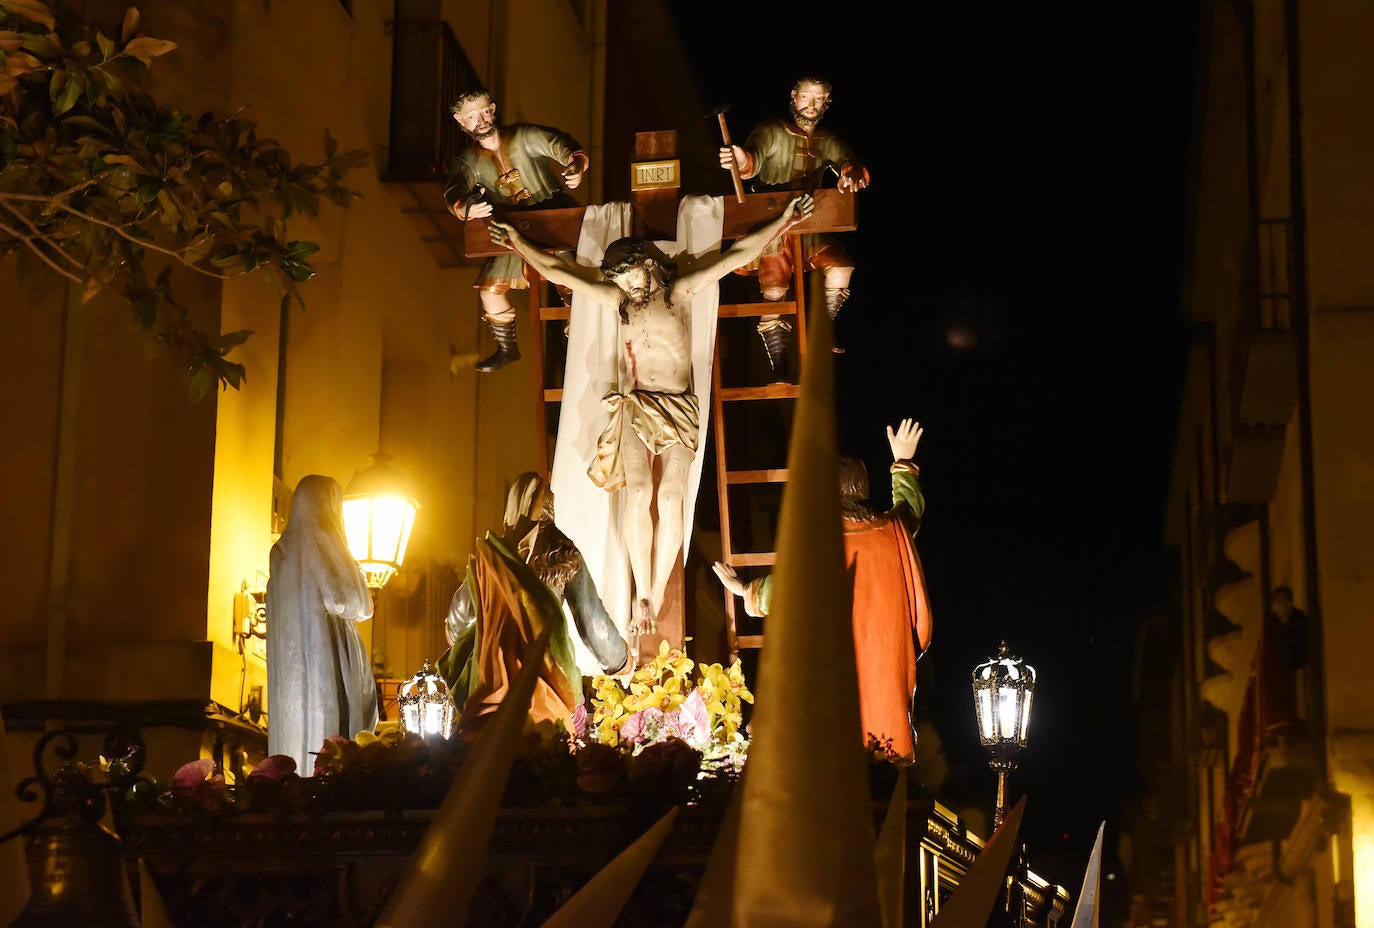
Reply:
x=378, y=518
x=1002, y=691
x=426, y=708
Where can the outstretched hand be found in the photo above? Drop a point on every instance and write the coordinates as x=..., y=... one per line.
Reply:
x=728, y=578
x=800, y=208
x=501, y=233
x=904, y=440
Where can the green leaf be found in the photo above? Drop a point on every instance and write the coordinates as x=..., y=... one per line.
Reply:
x=230, y=340
x=32, y=10
x=107, y=45
x=70, y=93
x=87, y=122
x=298, y=271
x=301, y=249
x=199, y=384
x=130, y=25
x=148, y=189
x=40, y=45
x=145, y=49
x=200, y=246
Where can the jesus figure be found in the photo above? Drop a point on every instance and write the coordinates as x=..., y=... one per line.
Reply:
x=654, y=417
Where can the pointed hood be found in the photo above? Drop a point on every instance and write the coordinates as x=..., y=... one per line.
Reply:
x=806, y=807
x=973, y=899
x=438, y=883
x=600, y=902
x=1085, y=913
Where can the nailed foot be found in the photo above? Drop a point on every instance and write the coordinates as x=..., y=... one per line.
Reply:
x=643, y=621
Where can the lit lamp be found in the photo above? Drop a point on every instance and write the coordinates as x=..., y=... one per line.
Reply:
x=1002, y=690
x=378, y=514
x=426, y=709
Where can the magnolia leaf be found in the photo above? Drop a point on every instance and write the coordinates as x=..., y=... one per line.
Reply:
x=70, y=93
x=301, y=249
x=200, y=246
x=56, y=84
x=41, y=45
x=81, y=49
x=107, y=45
x=230, y=340
x=170, y=213
x=130, y=26
x=31, y=10
x=87, y=122
x=199, y=384
x=233, y=375
x=145, y=49
x=148, y=190
x=10, y=41
x=17, y=63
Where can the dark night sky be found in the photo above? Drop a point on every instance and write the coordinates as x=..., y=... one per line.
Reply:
x=1028, y=168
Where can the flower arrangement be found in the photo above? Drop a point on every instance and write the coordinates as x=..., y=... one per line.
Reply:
x=664, y=702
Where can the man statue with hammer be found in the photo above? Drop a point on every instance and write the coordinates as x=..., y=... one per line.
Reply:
x=792, y=153
x=653, y=407
x=513, y=167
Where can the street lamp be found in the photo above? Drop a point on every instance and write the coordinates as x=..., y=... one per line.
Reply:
x=1002, y=690
x=378, y=514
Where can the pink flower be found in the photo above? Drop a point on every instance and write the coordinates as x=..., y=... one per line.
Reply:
x=198, y=784
x=632, y=729
x=691, y=722
x=579, y=722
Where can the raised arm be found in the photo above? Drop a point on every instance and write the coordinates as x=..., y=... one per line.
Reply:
x=907, y=498
x=746, y=248
x=584, y=280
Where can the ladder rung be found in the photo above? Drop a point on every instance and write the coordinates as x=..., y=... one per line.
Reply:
x=553, y=396
x=776, y=475
x=749, y=641
x=753, y=559
x=744, y=310
x=773, y=391
x=552, y=313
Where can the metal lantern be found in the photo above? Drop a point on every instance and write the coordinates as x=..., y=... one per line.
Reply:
x=426, y=708
x=1002, y=691
x=378, y=514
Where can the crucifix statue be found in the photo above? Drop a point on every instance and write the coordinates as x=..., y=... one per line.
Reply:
x=641, y=339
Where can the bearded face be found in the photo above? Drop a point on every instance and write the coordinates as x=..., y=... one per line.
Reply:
x=809, y=103
x=477, y=118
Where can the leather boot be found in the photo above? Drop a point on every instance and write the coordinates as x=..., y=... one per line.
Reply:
x=777, y=339
x=835, y=298
x=506, y=348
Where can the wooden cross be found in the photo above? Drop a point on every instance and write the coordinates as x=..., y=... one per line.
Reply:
x=654, y=185
x=654, y=195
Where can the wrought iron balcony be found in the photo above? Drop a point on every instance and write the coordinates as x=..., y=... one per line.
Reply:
x=429, y=68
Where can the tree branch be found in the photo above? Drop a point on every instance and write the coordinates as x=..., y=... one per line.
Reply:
x=151, y=246
x=38, y=234
x=38, y=251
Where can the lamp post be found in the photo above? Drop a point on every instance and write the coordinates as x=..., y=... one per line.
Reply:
x=378, y=514
x=1002, y=690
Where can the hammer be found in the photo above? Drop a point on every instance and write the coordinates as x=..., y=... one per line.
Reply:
x=720, y=112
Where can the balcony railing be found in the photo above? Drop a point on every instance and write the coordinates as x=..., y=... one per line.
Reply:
x=429, y=68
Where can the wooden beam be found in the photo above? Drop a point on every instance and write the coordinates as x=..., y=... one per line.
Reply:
x=558, y=229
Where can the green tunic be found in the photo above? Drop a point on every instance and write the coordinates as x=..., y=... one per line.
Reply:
x=538, y=154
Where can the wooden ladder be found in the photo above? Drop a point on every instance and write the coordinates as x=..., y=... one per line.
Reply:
x=723, y=398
